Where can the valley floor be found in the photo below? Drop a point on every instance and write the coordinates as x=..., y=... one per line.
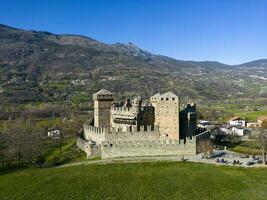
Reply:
x=157, y=180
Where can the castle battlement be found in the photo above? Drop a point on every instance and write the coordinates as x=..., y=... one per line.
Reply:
x=144, y=143
x=97, y=130
x=147, y=128
x=111, y=149
x=102, y=134
x=120, y=108
x=96, y=134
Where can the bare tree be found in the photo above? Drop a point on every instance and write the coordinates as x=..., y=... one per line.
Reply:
x=260, y=135
x=205, y=146
x=24, y=141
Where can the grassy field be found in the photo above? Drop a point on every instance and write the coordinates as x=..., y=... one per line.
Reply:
x=246, y=150
x=246, y=147
x=68, y=154
x=252, y=116
x=136, y=181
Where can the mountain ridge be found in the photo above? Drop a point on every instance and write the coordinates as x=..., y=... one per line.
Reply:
x=59, y=67
x=71, y=39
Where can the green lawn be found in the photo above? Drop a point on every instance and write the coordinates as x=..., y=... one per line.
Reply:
x=252, y=116
x=246, y=147
x=246, y=150
x=68, y=154
x=136, y=181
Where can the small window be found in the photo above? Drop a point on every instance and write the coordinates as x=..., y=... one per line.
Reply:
x=173, y=99
x=161, y=99
x=167, y=99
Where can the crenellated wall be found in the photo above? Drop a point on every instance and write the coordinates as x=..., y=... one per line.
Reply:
x=100, y=135
x=159, y=147
x=145, y=133
x=94, y=133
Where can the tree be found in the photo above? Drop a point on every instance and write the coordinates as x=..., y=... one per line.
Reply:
x=260, y=136
x=206, y=146
x=24, y=141
x=3, y=149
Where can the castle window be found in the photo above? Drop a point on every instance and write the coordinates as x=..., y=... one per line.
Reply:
x=167, y=99
x=161, y=99
x=173, y=99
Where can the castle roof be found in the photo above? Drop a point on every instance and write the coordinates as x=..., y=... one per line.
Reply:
x=168, y=94
x=103, y=94
x=156, y=95
x=103, y=91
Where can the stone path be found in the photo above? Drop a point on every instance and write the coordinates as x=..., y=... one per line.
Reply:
x=228, y=157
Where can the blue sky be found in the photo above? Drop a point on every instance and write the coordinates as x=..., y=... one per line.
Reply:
x=228, y=31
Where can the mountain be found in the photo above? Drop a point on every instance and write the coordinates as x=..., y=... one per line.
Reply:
x=262, y=63
x=53, y=67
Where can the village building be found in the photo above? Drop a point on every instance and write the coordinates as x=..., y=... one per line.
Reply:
x=54, y=133
x=237, y=121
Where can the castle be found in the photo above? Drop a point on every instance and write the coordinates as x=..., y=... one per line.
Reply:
x=136, y=128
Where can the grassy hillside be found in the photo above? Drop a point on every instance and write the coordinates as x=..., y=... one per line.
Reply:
x=136, y=181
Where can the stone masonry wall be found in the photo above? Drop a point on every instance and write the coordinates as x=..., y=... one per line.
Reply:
x=100, y=135
x=84, y=145
x=94, y=133
x=159, y=147
x=167, y=116
x=145, y=133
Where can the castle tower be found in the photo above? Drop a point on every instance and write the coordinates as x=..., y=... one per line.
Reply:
x=188, y=121
x=102, y=104
x=136, y=104
x=167, y=108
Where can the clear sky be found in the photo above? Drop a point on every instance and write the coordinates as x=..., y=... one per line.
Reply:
x=229, y=31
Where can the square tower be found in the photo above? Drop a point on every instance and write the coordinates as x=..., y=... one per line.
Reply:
x=167, y=108
x=103, y=100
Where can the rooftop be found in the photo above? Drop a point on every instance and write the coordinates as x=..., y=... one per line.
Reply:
x=103, y=91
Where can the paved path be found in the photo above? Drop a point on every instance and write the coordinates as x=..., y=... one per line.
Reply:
x=228, y=156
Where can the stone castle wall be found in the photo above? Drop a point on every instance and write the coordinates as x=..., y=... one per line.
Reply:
x=145, y=133
x=100, y=135
x=167, y=115
x=84, y=145
x=94, y=133
x=160, y=147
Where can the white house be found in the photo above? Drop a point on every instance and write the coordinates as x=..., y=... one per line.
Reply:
x=55, y=133
x=237, y=121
